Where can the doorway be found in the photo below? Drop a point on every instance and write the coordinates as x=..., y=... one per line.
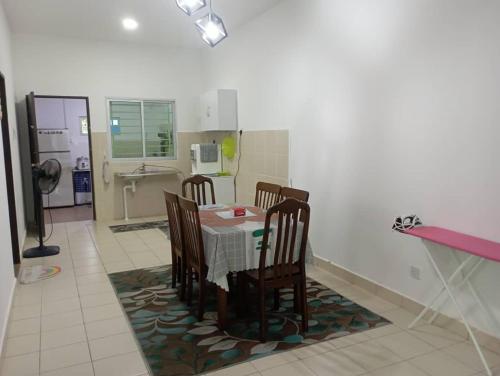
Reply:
x=11, y=198
x=63, y=132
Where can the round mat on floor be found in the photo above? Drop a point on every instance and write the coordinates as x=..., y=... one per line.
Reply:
x=32, y=274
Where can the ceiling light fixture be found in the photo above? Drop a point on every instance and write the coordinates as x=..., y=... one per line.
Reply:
x=191, y=6
x=211, y=28
x=130, y=24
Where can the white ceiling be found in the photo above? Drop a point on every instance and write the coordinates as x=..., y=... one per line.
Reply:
x=160, y=21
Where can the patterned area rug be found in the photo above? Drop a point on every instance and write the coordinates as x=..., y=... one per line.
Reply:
x=175, y=344
x=161, y=225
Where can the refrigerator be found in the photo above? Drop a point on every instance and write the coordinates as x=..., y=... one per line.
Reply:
x=55, y=144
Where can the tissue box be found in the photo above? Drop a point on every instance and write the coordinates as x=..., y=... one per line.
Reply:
x=239, y=212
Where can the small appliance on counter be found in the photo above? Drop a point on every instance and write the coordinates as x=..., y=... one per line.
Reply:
x=206, y=159
x=82, y=163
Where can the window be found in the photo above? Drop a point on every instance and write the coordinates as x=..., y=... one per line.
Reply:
x=142, y=129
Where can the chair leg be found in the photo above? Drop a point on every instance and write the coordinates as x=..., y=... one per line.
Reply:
x=190, y=286
x=242, y=287
x=183, y=279
x=276, y=299
x=262, y=309
x=201, y=300
x=304, y=310
x=179, y=265
x=174, y=269
x=296, y=299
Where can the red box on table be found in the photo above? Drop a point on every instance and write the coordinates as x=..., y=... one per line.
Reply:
x=239, y=212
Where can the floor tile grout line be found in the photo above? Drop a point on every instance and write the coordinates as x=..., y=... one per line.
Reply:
x=84, y=327
x=107, y=274
x=40, y=338
x=455, y=342
x=99, y=253
x=131, y=332
x=401, y=329
x=88, y=340
x=91, y=362
x=41, y=310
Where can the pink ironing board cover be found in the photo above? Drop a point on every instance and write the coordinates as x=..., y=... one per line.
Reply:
x=480, y=247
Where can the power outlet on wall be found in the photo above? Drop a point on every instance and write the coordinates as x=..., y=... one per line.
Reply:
x=415, y=272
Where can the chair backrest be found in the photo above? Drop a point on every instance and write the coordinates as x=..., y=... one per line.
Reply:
x=266, y=195
x=197, y=189
x=191, y=231
x=287, y=216
x=298, y=194
x=174, y=219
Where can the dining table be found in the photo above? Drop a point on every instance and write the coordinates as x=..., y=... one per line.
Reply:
x=232, y=244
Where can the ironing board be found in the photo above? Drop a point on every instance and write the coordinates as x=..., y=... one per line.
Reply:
x=477, y=249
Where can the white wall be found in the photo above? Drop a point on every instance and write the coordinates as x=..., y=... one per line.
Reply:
x=100, y=70
x=393, y=108
x=57, y=66
x=7, y=279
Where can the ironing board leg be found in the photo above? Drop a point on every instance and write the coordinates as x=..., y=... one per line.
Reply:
x=465, y=279
x=457, y=306
x=433, y=300
x=478, y=299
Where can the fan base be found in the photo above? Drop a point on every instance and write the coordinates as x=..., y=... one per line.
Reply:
x=41, y=251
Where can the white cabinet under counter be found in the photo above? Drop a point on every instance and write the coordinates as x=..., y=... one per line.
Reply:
x=224, y=189
x=219, y=110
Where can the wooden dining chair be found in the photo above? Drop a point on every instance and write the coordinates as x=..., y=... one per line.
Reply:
x=266, y=195
x=197, y=189
x=176, y=241
x=287, y=270
x=298, y=194
x=195, y=254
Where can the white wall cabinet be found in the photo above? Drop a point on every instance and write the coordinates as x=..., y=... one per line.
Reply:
x=219, y=110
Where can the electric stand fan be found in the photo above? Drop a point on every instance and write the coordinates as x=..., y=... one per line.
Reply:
x=45, y=180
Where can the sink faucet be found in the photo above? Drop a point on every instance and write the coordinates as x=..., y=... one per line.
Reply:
x=143, y=167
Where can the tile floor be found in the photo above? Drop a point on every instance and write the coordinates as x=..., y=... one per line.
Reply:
x=71, y=214
x=73, y=325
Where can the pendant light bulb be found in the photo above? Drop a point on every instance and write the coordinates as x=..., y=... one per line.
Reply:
x=211, y=29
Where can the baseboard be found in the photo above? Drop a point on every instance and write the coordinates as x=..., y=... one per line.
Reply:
x=7, y=317
x=487, y=340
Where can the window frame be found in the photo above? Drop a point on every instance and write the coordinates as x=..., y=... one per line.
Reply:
x=172, y=102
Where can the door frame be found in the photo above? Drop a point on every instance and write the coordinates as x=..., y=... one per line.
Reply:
x=9, y=176
x=91, y=158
